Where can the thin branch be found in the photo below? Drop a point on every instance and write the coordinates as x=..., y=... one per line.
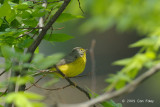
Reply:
x=58, y=28
x=35, y=82
x=73, y=84
x=80, y=76
x=26, y=33
x=52, y=89
x=2, y=73
x=93, y=74
x=4, y=92
x=31, y=28
x=34, y=34
x=48, y=15
x=40, y=2
x=127, y=89
x=80, y=6
x=39, y=28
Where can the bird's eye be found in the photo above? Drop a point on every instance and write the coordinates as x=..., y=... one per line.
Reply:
x=81, y=49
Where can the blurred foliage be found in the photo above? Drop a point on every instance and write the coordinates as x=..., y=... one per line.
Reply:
x=142, y=16
x=16, y=15
x=21, y=99
x=125, y=14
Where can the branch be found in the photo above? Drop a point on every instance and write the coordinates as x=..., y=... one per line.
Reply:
x=4, y=92
x=73, y=84
x=39, y=2
x=38, y=40
x=127, y=89
x=35, y=82
x=80, y=6
x=2, y=73
x=52, y=89
x=31, y=28
x=93, y=74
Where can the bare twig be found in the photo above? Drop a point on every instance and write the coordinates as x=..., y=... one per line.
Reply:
x=31, y=28
x=48, y=15
x=4, y=92
x=34, y=34
x=52, y=89
x=2, y=73
x=35, y=82
x=93, y=74
x=80, y=6
x=73, y=84
x=80, y=76
x=58, y=28
x=127, y=89
x=40, y=2
x=26, y=33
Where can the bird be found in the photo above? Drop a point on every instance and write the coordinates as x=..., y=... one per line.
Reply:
x=72, y=64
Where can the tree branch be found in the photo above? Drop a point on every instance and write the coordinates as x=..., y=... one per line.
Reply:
x=93, y=62
x=2, y=73
x=73, y=84
x=127, y=89
x=38, y=40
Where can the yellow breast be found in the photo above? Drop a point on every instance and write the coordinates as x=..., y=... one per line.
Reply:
x=74, y=68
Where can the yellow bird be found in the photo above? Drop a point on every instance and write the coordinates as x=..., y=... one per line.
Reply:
x=73, y=64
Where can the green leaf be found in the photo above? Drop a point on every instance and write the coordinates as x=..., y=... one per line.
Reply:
x=25, y=43
x=37, y=50
x=25, y=14
x=32, y=96
x=22, y=7
x=150, y=41
x=120, y=84
x=5, y=9
x=1, y=21
x=38, y=104
x=38, y=13
x=7, y=51
x=21, y=99
x=11, y=16
x=30, y=22
x=66, y=17
x=58, y=37
x=111, y=103
x=22, y=80
x=122, y=62
x=115, y=104
x=123, y=76
x=18, y=99
x=42, y=63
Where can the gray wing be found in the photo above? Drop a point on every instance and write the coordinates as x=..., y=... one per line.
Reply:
x=67, y=59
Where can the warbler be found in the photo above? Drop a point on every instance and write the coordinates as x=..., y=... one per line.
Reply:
x=73, y=64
